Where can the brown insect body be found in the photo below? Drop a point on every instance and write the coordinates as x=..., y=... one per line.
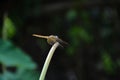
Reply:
x=52, y=39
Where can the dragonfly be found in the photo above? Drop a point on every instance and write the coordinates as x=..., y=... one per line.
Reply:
x=52, y=39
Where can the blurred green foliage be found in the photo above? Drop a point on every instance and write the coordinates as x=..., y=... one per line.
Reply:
x=88, y=26
x=24, y=75
x=71, y=15
x=108, y=64
x=8, y=27
x=13, y=56
x=78, y=35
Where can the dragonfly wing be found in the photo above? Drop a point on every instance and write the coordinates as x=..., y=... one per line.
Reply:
x=62, y=42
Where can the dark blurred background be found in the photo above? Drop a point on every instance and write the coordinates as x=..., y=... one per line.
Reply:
x=91, y=27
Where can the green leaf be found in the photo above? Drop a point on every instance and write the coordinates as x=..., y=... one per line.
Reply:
x=85, y=17
x=29, y=75
x=13, y=56
x=78, y=33
x=71, y=50
x=25, y=75
x=8, y=76
x=8, y=27
x=108, y=64
x=71, y=15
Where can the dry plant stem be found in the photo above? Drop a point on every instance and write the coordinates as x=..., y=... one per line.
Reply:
x=48, y=59
x=4, y=37
x=4, y=30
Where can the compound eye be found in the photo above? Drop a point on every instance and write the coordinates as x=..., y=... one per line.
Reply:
x=56, y=36
x=53, y=36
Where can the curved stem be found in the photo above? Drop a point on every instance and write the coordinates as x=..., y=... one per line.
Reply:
x=48, y=59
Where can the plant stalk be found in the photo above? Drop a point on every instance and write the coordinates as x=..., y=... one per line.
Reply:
x=48, y=59
x=4, y=37
x=4, y=30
